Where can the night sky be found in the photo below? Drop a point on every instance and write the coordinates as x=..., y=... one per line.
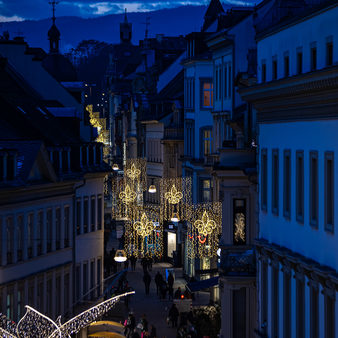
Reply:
x=18, y=10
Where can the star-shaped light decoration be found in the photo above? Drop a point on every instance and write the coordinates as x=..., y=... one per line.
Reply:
x=144, y=227
x=173, y=196
x=205, y=226
x=127, y=196
x=133, y=173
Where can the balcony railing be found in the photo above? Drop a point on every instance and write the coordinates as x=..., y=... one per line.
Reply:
x=238, y=263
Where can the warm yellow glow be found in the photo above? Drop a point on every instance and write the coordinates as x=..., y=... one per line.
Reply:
x=144, y=227
x=120, y=256
x=152, y=189
x=205, y=226
x=173, y=196
x=127, y=196
x=133, y=172
x=115, y=167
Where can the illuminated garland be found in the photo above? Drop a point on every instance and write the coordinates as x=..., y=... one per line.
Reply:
x=35, y=324
x=127, y=196
x=135, y=173
x=175, y=197
x=144, y=232
x=204, y=229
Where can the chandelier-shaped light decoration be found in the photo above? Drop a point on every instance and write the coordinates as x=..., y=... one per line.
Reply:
x=133, y=173
x=128, y=195
x=144, y=227
x=35, y=324
x=203, y=230
x=144, y=232
x=175, y=198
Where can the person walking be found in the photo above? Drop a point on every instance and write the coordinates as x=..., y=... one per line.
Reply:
x=146, y=281
x=158, y=281
x=163, y=289
x=130, y=325
x=170, y=285
x=178, y=293
x=173, y=315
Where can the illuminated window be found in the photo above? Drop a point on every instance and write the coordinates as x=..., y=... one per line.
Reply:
x=207, y=94
x=206, y=141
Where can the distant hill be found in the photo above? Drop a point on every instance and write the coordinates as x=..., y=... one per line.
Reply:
x=171, y=22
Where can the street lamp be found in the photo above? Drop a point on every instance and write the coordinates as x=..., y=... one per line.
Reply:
x=152, y=189
x=120, y=256
x=115, y=167
x=175, y=217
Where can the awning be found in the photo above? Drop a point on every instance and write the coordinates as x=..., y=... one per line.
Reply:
x=106, y=335
x=202, y=284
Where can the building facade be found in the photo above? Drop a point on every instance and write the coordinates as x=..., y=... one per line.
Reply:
x=296, y=100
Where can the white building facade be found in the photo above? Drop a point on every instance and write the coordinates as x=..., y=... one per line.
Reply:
x=296, y=103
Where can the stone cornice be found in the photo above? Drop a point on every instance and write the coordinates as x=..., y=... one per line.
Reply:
x=307, y=96
x=301, y=265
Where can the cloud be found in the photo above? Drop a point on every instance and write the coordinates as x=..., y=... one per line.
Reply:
x=37, y=9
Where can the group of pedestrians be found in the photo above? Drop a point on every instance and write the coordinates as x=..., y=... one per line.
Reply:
x=140, y=330
x=163, y=286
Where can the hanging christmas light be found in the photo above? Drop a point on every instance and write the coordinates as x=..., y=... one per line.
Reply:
x=127, y=196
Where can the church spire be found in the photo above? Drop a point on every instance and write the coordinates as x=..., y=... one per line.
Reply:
x=53, y=33
x=125, y=29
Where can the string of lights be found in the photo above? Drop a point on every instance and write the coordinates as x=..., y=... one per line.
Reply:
x=36, y=325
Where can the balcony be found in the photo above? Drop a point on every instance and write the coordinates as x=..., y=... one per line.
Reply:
x=173, y=134
x=238, y=262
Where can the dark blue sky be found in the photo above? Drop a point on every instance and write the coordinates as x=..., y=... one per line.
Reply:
x=37, y=9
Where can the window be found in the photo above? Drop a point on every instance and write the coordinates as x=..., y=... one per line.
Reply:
x=329, y=51
x=78, y=216
x=49, y=300
x=329, y=316
x=30, y=235
x=299, y=61
x=300, y=308
x=189, y=135
x=220, y=78
x=77, y=282
x=286, y=65
x=314, y=188
x=206, y=94
x=274, y=68
x=10, y=239
x=264, y=292
x=263, y=72
x=329, y=191
x=85, y=215
x=66, y=223
x=10, y=304
x=275, y=181
x=58, y=294
x=314, y=312
x=92, y=277
x=300, y=186
x=99, y=212
x=239, y=221
x=49, y=229
x=85, y=280
x=313, y=56
x=225, y=81
x=189, y=92
x=216, y=89
x=66, y=292
x=19, y=234
x=229, y=81
x=206, y=141
x=58, y=228
x=274, y=300
x=40, y=294
x=206, y=190
x=287, y=184
x=98, y=279
x=264, y=179
x=287, y=304
x=40, y=234
x=92, y=212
